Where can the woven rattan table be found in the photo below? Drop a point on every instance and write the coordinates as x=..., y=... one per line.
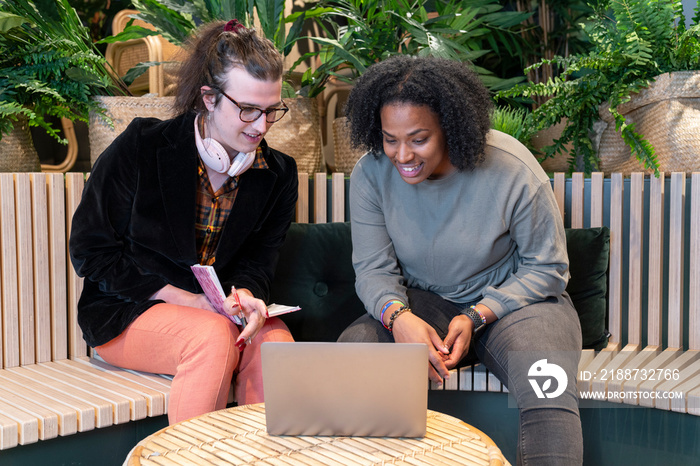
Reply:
x=238, y=436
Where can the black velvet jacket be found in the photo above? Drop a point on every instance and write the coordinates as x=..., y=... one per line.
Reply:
x=133, y=231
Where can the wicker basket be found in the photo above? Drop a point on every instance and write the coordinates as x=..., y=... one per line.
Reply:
x=559, y=162
x=122, y=110
x=667, y=114
x=17, y=152
x=345, y=155
x=298, y=134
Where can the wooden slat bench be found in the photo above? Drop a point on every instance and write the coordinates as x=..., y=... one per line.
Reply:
x=51, y=386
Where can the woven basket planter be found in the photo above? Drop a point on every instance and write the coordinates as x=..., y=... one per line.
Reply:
x=345, y=155
x=298, y=134
x=17, y=152
x=667, y=114
x=123, y=109
x=546, y=137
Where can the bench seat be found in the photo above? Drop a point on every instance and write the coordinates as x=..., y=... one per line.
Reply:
x=49, y=385
x=52, y=385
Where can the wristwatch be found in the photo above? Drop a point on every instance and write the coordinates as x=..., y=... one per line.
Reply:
x=477, y=318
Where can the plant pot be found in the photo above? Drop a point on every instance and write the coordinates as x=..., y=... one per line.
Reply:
x=667, y=114
x=559, y=162
x=17, y=152
x=123, y=109
x=298, y=135
x=345, y=155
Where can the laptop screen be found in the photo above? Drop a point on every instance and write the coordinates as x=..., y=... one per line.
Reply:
x=345, y=389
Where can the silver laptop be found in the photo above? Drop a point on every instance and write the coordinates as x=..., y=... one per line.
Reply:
x=345, y=389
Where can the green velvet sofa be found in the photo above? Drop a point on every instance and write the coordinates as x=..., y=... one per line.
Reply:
x=315, y=272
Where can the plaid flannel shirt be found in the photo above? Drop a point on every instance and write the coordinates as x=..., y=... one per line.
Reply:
x=213, y=208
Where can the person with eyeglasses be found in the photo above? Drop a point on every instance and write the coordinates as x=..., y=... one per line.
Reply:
x=458, y=243
x=201, y=188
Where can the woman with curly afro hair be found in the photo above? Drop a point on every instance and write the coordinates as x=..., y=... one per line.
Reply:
x=458, y=243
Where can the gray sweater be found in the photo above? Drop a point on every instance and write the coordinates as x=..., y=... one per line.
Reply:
x=493, y=235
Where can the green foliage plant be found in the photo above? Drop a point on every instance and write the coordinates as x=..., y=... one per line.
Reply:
x=49, y=66
x=176, y=20
x=633, y=41
x=358, y=33
x=513, y=121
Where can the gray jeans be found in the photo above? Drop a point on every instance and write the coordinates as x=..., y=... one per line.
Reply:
x=515, y=349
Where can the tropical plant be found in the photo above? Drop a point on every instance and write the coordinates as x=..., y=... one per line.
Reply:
x=95, y=14
x=358, y=33
x=513, y=121
x=633, y=41
x=553, y=29
x=49, y=67
x=176, y=20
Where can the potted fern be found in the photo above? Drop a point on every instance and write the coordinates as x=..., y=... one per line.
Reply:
x=641, y=51
x=49, y=67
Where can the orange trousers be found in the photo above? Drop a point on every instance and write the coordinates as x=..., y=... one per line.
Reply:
x=198, y=348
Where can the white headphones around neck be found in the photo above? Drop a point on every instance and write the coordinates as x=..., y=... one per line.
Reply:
x=215, y=156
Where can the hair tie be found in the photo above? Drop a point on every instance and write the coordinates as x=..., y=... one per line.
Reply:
x=233, y=26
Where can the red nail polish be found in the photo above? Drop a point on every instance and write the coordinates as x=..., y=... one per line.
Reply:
x=240, y=344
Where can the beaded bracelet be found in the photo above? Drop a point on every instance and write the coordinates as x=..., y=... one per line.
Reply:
x=387, y=306
x=395, y=314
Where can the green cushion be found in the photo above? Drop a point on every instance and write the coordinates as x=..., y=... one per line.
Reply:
x=588, y=264
x=315, y=272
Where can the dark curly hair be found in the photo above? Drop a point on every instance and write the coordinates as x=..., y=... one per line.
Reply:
x=449, y=88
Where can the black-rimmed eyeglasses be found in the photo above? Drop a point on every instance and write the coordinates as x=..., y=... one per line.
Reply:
x=251, y=114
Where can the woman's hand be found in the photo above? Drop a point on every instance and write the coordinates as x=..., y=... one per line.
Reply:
x=174, y=295
x=409, y=328
x=459, y=336
x=252, y=308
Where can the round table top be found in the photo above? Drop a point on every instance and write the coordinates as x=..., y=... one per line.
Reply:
x=238, y=436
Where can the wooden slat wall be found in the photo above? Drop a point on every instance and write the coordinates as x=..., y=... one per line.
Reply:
x=320, y=195
x=577, y=200
x=656, y=261
x=25, y=274
x=636, y=253
x=302, y=215
x=560, y=192
x=596, y=200
x=615, y=269
x=77, y=348
x=694, y=258
x=676, y=259
x=58, y=265
x=9, y=323
x=41, y=276
x=338, y=196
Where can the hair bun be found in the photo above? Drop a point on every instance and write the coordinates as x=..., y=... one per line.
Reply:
x=233, y=26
